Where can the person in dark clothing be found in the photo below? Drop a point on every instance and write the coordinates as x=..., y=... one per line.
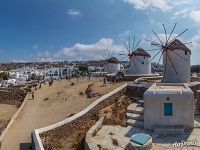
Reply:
x=33, y=96
x=104, y=81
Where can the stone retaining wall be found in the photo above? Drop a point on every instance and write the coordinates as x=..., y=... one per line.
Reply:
x=12, y=120
x=198, y=102
x=139, y=86
x=194, y=87
x=78, y=118
x=89, y=145
x=134, y=77
x=136, y=91
x=12, y=95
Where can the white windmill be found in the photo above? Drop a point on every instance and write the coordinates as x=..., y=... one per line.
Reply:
x=138, y=58
x=176, y=57
x=111, y=63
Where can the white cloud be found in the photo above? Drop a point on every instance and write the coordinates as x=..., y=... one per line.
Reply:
x=123, y=36
x=90, y=51
x=49, y=59
x=182, y=2
x=35, y=46
x=163, y=37
x=182, y=13
x=43, y=54
x=18, y=61
x=195, y=41
x=162, y=5
x=195, y=16
x=74, y=12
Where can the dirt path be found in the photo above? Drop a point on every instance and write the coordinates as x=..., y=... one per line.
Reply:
x=51, y=104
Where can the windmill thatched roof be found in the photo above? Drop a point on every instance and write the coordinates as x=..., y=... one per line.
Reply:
x=113, y=60
x=177, y=44
x=141, y=52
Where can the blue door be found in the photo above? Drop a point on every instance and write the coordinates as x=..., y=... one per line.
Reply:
x=168, y=109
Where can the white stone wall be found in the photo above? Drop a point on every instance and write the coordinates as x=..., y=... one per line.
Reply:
x=141, y=68
x=182, y=65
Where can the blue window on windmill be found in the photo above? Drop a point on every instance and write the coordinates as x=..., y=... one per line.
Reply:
x=168, y=109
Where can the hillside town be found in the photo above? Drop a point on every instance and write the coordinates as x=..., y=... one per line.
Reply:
x=99, y=75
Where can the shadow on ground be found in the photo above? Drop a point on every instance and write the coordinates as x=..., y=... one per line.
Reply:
x=25, y=146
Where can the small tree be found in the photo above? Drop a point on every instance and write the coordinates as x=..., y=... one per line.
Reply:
x=4, y=75
x=121, y=75
x=83, y=68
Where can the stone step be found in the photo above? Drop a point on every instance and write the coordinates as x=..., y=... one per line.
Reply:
x=135, y=98
x=135, y=116
x=169, y=130
x=135, y=123
x=135, y=108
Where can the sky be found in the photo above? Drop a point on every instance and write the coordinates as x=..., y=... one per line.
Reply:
x=50, y=30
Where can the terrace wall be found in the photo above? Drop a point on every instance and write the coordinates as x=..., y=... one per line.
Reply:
x=74, y=121
x=12, y=95
x=13, y=119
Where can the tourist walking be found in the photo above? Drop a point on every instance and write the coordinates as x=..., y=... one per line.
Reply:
x=117, y=78
x=89, y=76
x=33, y=96
x=77, y=78
x=104, y=81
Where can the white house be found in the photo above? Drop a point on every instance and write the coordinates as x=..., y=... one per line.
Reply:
x=18, y=77
x=57, y=73
x=112, y=65
x=139, y=62
x=168, y=105
x=179, y=55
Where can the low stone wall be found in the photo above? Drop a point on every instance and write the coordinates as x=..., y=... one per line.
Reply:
x=136, y=90
x=12, y=95
x=197, y=104
x=84, y=115
x=140, y=85
x=134, y=77
x=12, y=120
x=194, y=87
x=89, y=145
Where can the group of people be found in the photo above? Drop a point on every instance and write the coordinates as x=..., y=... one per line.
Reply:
x=117, y=78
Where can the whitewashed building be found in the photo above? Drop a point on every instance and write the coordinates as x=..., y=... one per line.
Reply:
x=179, y=55
x=17, y=78
x=168, y=106
x=139, y=62
x=57, y=73
x=112, y=65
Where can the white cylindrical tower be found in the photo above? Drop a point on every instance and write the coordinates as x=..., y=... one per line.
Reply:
x=139, y=62
x=177, y=62
x=112, y=65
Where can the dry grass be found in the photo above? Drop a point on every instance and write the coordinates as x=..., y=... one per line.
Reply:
x=116, y=113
